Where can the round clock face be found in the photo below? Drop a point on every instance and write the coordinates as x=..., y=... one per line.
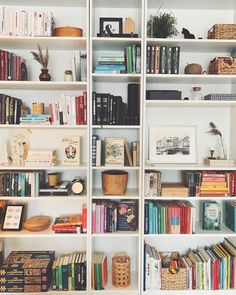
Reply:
x=77, y=187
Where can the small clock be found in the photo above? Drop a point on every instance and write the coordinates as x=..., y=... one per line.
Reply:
x=77, y=186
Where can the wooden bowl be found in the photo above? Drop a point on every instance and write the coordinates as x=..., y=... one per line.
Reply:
x=37, y=223
x=193, y=69
x=68, y=32
x=114, y=182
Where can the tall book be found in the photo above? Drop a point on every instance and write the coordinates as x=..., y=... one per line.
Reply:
x=175, y=59
x=211, y=216
x=114, y=151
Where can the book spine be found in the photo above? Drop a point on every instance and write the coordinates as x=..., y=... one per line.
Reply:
x=148, y=60
x=163, y=59
x=94, y=140
x=169, y=60
x=175, y=59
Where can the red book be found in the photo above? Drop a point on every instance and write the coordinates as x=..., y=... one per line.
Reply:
x=81, y=110
x=84, y=218
x=94, y=218
x=51, y=112
x=65, y=227
x=77, y=112
x=85, y=108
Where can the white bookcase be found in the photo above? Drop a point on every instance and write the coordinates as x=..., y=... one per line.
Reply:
x=196, y=16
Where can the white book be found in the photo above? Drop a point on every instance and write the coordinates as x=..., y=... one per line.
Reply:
x=1, y=20
x=77, y=65
x=73, y=110
x=135, y=153
x=71, y=150
x=83, y=66
x=98, y=152
x=26, y=19
x=31, y=24
x=73, y=67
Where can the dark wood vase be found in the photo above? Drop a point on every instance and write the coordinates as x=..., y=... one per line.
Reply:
x=44, y=76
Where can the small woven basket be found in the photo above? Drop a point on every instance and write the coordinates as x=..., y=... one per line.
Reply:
x=121, y=271
x=222, y=31
x=223, y=66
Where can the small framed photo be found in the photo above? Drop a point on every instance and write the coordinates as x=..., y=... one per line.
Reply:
x=13, y=217
x=172, y=144
x=111, y=25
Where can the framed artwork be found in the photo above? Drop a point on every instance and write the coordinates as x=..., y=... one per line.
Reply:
x=13, y=217
x=114, y=151
x=172, y=144
x=111, y=25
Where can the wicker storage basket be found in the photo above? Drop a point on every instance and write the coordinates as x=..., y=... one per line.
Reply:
x=121, y=271
x=174, y=281
x=222, y=31
x=223, y=66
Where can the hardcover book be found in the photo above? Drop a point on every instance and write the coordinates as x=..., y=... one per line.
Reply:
x=114, y=151
x=71, y=150
x=211, y=216
x=230, y=215
x=127, y=216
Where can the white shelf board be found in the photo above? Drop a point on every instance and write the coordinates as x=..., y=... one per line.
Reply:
x=215, y=198
x=190, y=103
x=187, y=292
x=117, y=234
x=196, y=45
x=110, y=43
x=58, y=167
x=45, y=85
x=45, y=198
x=68, y=3
x=115, y=77
x=54, y=43
x=116, y=127
x=190, y=79
x=130, y=194
x=117, y=4
x=32, y=126
x=48, y=233
x=115, y=168
x=186, y=167
x=134, y=286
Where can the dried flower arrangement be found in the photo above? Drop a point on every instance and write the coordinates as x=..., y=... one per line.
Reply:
x=41, y=57
x=215, y=131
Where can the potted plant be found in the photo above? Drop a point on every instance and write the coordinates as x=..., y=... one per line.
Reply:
x=161, y=25
x=43, y=59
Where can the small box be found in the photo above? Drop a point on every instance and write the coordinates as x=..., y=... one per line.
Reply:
x=163, y=95
x=220, y=162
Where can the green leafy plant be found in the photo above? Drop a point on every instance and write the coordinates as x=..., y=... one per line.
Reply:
x=162, y=25
x=40, y=57
x=215, y=131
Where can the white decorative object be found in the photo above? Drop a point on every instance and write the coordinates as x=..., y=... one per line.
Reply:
x=19, y=146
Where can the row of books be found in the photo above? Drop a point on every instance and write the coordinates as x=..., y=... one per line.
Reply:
x=15, y=22
x=99, y=273
x=127, y=61
x=162, y=59
x=220, y=96
x=21, y=184
x=207, y=268
x=169, y=217
x=112, y=216
x=71, y=223
x=69, y=272
x=79, y=66
x=115, y=151
x=10, y=109
x=27, y=271
x=11, y=66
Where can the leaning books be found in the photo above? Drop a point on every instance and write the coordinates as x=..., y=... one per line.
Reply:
x=71, y=150
x=114, y=151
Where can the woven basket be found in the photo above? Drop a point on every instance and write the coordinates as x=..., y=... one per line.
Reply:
x=222, y=66
x=222, y=31
x=121, y=271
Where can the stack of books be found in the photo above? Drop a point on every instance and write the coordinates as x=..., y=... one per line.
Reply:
x=169, y=217
x=41, y=158
x=163, y=59
x=27, y=271
x=213, y=184
x=152, y=183
x=35, y=119
x=99, y=271
x=11, y=66
x=69, y=272
x=174, y=190
x=71, y=223
x=220, y=96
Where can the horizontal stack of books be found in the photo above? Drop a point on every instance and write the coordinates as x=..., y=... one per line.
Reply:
x=18, y=272
x=213, y=184
x=169, y=217
x=162, y=59
x=11, y=66
x=112, y=216
x=220, y=96
x=41, y=158
x=174, y=190
x=206, y=268
x=10, y=109
x=35, y=119
x=71, y=223
x=152, y=183
x=69, y=272
x=20, y=184
x=99, y=271
x=116, y=62
x=17, y=22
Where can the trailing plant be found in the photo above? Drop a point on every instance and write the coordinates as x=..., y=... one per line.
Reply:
x=215, y=131
x=40, y=57
x=162, y=25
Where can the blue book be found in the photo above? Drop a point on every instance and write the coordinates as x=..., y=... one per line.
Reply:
x=150, y=221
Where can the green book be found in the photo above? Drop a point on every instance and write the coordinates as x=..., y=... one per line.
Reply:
x=230, y=215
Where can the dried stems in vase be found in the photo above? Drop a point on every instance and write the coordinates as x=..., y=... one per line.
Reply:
x=40, y=57
x=215, y=131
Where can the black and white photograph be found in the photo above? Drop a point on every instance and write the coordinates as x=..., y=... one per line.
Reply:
x=13, y=217
x=111, y=25
x=172, y=144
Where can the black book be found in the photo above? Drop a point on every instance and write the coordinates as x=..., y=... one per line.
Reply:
x=3, y=113
x=94, y=140
x=111, y=109
x=163, y=59
x=118, y=109
x=175, y=59
x=152, y=59
x=127, y=215
x=133, y=108
x=94, y=117
x=169, y=60
x=148, y=60
x=105, y=109
x=123, y=114
x=99, y=108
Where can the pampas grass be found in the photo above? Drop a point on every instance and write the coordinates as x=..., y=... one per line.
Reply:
x=40, y=57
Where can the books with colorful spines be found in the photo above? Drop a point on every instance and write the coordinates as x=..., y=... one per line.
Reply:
x=223, y=266
x=67, y=221
x=214, y=268
x=84, y=218
x=230, y=215
x=211, y=216
x=99, y=271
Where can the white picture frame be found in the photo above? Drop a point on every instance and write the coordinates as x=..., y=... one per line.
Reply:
x=172, y=144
